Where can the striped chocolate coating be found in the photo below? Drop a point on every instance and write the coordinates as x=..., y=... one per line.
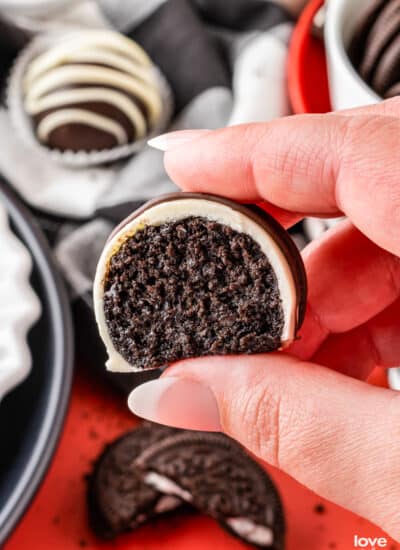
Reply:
x=94, y=90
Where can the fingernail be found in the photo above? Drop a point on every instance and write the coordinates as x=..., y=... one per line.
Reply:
x=176, y=402
x=172, y=140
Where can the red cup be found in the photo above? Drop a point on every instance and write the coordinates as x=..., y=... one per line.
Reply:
x=307, y=70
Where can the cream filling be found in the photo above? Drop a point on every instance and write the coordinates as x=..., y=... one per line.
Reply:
x=180, y=209
x=251, y=532
x=167, y=503
x=167, y=486
x=98, y=39
x=86, y=74
x=80, y=116
x=63, y=98
x=100, y=57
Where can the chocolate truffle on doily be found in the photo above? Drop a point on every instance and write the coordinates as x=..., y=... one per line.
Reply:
x=89, y=96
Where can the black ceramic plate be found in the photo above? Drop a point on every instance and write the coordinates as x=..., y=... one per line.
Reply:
x=32, y=415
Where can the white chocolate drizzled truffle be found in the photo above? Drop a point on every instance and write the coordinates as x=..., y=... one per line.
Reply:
x=94, y=90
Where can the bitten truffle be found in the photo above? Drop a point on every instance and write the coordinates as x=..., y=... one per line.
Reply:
x=191, y=275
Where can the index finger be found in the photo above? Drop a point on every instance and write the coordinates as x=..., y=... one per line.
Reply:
x=308, y=164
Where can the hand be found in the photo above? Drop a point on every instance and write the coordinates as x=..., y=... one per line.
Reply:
x=309, y=412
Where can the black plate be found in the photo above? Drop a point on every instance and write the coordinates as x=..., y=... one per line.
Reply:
x=32, y=415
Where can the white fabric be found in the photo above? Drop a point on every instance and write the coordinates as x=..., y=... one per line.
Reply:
x=259, y=82
x=48, y=185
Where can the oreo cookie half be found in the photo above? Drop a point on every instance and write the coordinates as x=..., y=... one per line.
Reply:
x=367, y=18
x=387, y=73
x=385, y=29
x=118, y=498
x=393, y=91
x=375, y=46
x=216, y=476
x=189, y=275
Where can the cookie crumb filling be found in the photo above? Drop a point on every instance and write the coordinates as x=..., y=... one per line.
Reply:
x=189, y=288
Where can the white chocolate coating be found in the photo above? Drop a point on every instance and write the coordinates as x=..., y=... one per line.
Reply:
x=179, y=209
x=80, y=116
x=85, y=95
x=90, y=39
x=93, y=67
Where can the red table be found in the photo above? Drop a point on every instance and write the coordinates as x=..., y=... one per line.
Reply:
x=57, y=517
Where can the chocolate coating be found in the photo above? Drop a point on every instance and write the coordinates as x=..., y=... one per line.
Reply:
x=80, y=137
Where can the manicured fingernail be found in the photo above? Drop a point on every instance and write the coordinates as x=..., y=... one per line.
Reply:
x=176, y=402
x=172, y=140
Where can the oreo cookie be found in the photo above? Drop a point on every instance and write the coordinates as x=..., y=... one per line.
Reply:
x=375, y=46
x=393, y=91
x=385, y=29
x=189, y=275
x=118, y=498
x=215, y=475
x=155, y=470
x=387, y=73
x=367, y=18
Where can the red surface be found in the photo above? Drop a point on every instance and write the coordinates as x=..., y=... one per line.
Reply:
x=307, y=74
x=57, y=516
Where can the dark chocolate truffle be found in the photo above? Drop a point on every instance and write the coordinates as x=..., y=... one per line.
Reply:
x=192, y=275
x=94, y=90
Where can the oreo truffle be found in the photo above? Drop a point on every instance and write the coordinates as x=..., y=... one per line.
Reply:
x=189, y=275
x=92, y=91
x=375, y=46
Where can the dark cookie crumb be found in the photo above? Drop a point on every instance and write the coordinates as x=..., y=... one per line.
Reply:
x=319, y=509
x=93, y=434
x=190, y=288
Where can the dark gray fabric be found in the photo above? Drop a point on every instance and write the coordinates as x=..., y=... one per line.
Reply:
x=179, y=43
x=242, y=16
